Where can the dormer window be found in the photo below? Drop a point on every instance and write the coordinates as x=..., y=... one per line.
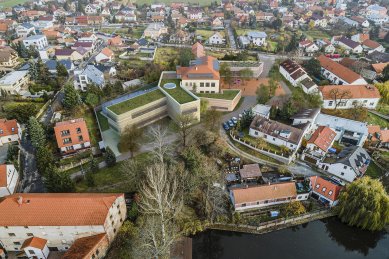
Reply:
x=324, y=189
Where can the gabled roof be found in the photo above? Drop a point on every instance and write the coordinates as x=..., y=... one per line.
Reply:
x=27, y=25
x=63, y=52
x=257, y=34
x=35, y=242
x=325, y=187
x=348, y=42
x=264, y=192
x=3, y=176
x=95, y=75
x=379, y=67
x=206, y=67
x=355, y=157
x=52, y=64
x=323, y=138
x=8, y=127
x=82, y=247
x=356, y=91
x=250, y=171
x=371, y=44
x=56, y=209
x=84, y=44
x=107, y=52
x=341, y=71
x=71, y=126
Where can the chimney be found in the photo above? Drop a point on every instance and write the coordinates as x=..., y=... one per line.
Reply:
x=20, y=200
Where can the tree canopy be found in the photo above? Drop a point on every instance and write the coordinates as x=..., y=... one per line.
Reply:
x=365, y=204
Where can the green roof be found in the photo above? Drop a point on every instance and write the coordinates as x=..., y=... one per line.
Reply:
x=136, y=102
x=227, y=95
x=179, y=94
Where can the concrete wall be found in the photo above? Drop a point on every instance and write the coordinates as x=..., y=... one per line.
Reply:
x=12, y=181
x=223, y=104
x=195, y=85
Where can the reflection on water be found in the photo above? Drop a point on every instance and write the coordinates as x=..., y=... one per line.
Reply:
x=327, y=238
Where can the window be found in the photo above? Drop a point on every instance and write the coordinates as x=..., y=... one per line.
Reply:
x=97, y=251
x=213, y=85
x=330, y=103
x=30, y=234
x=243, y=204
x=256, y=133
x=207, y=84
x=317, y=186
x=345, y=167
x=201, y=84
x=341, y=173
x=17, y=243
x=78, y=130
x=110, y=217
x=324, y=189
x=114, y=230
x=11, y=234
x=25, y=226
x=274, y=139
x=330, y=193
x=31, y=252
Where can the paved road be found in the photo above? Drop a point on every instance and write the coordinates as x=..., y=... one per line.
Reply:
x=230, y=35
x=32, y=181
x=57, y=102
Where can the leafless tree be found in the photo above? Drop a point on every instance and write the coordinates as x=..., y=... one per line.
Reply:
x=161, y=202
x=339, y=95
x=161, y=148
x=184, y=126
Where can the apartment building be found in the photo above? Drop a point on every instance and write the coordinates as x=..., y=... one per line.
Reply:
x=72, y=136
x=38, y=41
x=25, y=29
x=9, y=178
x=348, y=96
x=8, y=58
x=202, y=75
x=14, y=81
x=297, y=76
x=87, y=76
x=59, y=218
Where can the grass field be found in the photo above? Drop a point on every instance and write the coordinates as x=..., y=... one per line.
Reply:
x=208, y=33
x=375, y=120
x=164, y=55
x=373, y=171
x=11, y=3
x=91, y=123
x=316, y=34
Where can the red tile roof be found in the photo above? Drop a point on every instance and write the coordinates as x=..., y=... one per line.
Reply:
x=3, y=176
x=72, y=127
x=323, y=138
x=371, y=44
x=56, y=209
x=35, y=242
x=379, y=67
x=82, y=247
x=198, y=50
x=356, y=91
x=8, y=127
x=341, y=71
x=204, y=69
x=318, y=183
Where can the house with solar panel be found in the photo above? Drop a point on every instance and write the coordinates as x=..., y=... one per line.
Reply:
x=89, y=75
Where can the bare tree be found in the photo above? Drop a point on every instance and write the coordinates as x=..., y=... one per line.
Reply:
x=339, y=95
x=161, y=146
x=161, y=202
x=184, y=126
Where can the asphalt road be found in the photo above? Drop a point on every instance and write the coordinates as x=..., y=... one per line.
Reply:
x=230, y=35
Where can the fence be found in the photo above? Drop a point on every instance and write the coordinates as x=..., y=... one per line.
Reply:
x=280, y=157
x=275, y=224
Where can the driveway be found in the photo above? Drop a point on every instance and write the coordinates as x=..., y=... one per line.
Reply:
x=230, y=35
x=32, y=181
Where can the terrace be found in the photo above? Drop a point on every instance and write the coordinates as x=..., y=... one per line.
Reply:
x=136, y=102
x=178, y=93
x=226, y=95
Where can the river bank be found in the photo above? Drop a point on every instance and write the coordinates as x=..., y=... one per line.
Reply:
x=326, y=238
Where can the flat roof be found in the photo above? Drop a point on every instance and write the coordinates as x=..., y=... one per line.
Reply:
x=136, y=101
x=177, y=93
x=226, y=95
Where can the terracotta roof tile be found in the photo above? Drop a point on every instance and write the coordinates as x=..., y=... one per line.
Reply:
x=356, y=91
x=318, y=183
x=341, y=71
x=379, y=67
x=35, y=242
x=8, y=127
x=56, y=209
x=107, y=52
x=73, y=134
x=3, y=176
x=82, y=247
x=323, y=138
x=204, y=68
x=371, y=44
x=264, y=192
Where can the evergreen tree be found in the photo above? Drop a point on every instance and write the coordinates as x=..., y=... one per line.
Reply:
x=44, y=159
x=71, y=99
x=93, y=165
x=293, y=44
x=90, y=180
x=61, y=70
x=56, y=181
x=110, y=157
x=36, y=132
x=33, y=70
x=313, y=67
x=364, y=203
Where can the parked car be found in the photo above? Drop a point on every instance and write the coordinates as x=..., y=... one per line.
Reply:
x=231, y=123
x=234, y=120
x=225, y=126
x=240, y=116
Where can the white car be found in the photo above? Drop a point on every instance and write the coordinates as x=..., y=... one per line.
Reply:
x=234, y=119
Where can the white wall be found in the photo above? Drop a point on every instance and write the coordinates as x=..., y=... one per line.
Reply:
x=196, y=84
x=8, y=139
x=341, y=171
x=340, y=81
x=273, y=140
x=39, y=254
x=348, y=104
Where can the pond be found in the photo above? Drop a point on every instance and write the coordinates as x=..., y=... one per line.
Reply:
x=327, y=238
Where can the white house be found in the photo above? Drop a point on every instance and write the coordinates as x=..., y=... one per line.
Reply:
x=106, y=55
x=9, y=178
x=318, y=145
x=258, y=38
x=71, y=216
x=35, y=248
x=216, y=39
x=276, y=133
x=25, y=29
x=350, y=164
x=91, y=9
x=10, y=131
x=39, y=41
x=348, y=96
x=260, y=196
x=347, y=131
x=296, y=75
x=261, y=110
x=325, y=190
x=350, y=45
x=338, y=74
x=370, y=46
x=90, y=75
x=378, y=19
x=14, y=81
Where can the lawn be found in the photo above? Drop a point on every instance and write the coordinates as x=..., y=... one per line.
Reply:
x=226, y=95
x=383, y=108
x=179, y=94
x=316, y=34
x=91, y=123
x=11, y=3
x=136, y=102
x=375, y=120
x=373, y=170
x=110, y=179
x=242, y=32
x=164, y=55
x=208, y=33
x=103, y=121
